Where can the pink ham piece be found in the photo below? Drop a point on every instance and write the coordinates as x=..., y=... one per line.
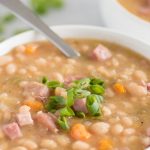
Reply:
x=101, y=53
x=12, y=130
x=148, y=87
x=36, y=90
x=71, y=78
x=80, y=105
x=145, y=9
x=24, y=116
x=148, y=132
x=47, y=121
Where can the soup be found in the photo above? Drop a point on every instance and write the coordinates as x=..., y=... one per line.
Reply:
x=99, y=101
x=140, y=8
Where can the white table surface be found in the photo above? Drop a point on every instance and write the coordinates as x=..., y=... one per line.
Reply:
x=73, y=12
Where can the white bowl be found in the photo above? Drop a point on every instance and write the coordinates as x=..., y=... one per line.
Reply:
x=116, y=16
x=77, y=31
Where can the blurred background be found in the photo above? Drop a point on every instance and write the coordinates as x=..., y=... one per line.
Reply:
x=53, y=12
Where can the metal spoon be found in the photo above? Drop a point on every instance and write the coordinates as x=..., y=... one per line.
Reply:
x=23, y=12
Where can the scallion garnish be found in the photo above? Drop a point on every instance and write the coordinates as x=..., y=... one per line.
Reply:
x=91, y=89
x=62, y=122
x=93, y=105
x=55, y=103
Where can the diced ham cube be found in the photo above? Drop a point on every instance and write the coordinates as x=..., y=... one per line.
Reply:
x=101, y=53
x=148, y=132
x=148, y=87
x=24, y=116
x=36, y=90
x=144, y=10
x=47, y=121
x=80, y=105
x=24, y=108
x=24, y=119
x=71, y=78
x=12, y=130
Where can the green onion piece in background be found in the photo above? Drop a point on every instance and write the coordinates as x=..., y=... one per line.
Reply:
x=62, y=122
x=8, y=18
x=42, y=6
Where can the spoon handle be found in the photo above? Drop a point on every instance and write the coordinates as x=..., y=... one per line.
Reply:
x=23, y=12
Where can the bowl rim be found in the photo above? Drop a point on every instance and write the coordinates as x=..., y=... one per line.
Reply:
x=126, y=39
x=130, y=14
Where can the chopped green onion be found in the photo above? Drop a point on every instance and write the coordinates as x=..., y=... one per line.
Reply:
x=82, y=83
x=66, y=111
x=42, y=6
x=8, y=18
x=52, y=83
x=80, y=114
x=55, y=103
x=92, y=105
x=81, y=93
x=70, y=97
x=97, y=89
x=44, y=80
x=62, y=122
x=95, y=81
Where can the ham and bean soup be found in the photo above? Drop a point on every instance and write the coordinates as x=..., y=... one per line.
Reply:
x=140, y=8
x=100, y=101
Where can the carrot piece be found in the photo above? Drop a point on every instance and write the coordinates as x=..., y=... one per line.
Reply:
x=79, y=132
x=105, y=144
x=119, y=88
x=30, y=49
x=34, y=105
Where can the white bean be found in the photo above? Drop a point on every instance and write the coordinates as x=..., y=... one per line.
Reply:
x=136, y=90
x=28, y=143
x=60, y=92
x=5, y=59
x=58, y=76
x=79, y=145
x=63, y=140
x=106, y=111
x=19, y=148
x=117, y=129
x=49, y=144
x=11, y=68
x=140, y=75
x=129, y=131
x=127, y=121
x=146, y=141
x=22, y=71
x=41, y=61
x=100, y=128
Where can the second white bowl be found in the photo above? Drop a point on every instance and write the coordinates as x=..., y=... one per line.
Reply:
x=116, y=16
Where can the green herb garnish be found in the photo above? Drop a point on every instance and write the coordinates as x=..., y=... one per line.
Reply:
x=62, y=122
x=91, y=89
x=67, y=112
x=54, y=103
x=42, y=6
x=8, y=18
